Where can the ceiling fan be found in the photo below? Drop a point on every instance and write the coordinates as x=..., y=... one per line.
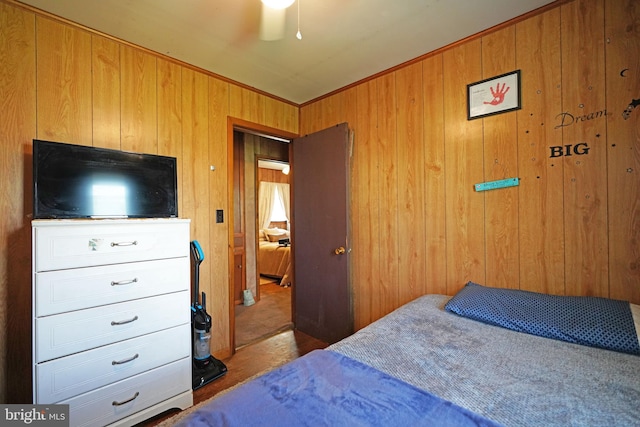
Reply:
x=272, y=23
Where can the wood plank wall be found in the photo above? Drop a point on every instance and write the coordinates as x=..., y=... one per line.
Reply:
x=272, y=175
x=63, y=83
x=571, y=227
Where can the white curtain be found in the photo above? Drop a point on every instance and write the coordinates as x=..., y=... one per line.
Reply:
x=266, y=194
x=266, y=199
x=283, y=191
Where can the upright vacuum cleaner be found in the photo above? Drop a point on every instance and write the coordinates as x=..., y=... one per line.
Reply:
x=206, y=368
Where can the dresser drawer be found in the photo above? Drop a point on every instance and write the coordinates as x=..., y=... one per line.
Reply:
x=107, y=404
x=67, y=290
x=79, y=373
x=62, y=245
x=76, y=331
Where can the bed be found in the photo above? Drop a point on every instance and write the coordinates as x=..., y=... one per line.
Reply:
x=274, y=259
x=438, y=360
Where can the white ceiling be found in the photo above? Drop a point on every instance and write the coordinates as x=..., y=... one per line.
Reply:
x=344, y=41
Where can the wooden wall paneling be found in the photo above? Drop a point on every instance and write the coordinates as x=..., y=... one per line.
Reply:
x=272, y=175
x=323, y=116
x=309, y=115
x=195, y=173
x=349, y=114
x=332, y=110
x=349, y=111
x=622, y=31
x=434, y=165
x=500, y=162
x=273, y=113
x=241, y=143
x=280, y=115
x=139, y=129
x=540, y=202
x=324, y=113
x=269, y=175
x=63, y=82
x=246, y=105
x=105, y=80
x=365, y=217
x=387, y=286
x=169, y=92
x=585, y=188
x=17, y=129
x=290, y=120
x=221, y=258
x=310, y=118
x=463, y=169
x=270, y=149
x=337, y=108
x=411, y=238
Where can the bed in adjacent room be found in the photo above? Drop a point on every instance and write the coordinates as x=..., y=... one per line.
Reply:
x=487, y=357
x=274, y=257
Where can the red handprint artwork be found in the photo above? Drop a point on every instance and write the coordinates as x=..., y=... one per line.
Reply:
x=498, y=94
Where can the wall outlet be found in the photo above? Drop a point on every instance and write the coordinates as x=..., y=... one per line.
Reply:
x=219, y=216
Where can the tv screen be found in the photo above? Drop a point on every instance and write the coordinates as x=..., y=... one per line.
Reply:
x=75, y=181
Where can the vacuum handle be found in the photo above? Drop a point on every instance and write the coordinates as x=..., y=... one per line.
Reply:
x=198, y=256
x=198, y=253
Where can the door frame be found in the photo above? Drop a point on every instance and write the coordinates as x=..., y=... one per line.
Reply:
x=234, y=123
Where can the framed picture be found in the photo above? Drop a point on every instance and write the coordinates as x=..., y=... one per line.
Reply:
x=493, y=96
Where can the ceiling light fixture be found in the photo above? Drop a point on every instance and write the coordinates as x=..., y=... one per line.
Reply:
x=278, y=4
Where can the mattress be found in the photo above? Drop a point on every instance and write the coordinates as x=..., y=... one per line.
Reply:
x=424, y=365
x=514, y=378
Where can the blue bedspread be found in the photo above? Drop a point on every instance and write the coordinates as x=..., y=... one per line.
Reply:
x=324, y=388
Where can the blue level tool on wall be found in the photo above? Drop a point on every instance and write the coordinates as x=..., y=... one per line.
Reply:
x=501, y=183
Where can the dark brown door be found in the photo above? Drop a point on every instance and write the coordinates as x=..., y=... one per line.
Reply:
x=321, y=290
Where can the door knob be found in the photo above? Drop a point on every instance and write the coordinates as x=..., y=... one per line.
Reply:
x=340, y=250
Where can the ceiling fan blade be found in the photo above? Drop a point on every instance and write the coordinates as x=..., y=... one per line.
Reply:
x=272, y=23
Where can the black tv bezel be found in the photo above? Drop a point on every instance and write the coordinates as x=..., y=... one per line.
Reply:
x=102, y=155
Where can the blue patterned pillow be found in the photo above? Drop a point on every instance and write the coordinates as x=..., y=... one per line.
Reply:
x=591, y=321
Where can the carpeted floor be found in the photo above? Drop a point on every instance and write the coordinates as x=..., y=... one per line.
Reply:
x=270, y=315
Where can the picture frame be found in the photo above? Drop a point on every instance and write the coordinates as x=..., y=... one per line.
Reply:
x=494, y=95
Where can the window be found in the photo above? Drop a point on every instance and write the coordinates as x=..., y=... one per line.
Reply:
x=278, y=213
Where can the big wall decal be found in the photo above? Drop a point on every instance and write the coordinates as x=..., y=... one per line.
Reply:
x=568, y=119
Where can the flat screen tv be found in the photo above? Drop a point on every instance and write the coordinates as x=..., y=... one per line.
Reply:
x=75, y=181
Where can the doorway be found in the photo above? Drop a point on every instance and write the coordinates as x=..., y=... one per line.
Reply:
x=270, y=310
x=321, y=296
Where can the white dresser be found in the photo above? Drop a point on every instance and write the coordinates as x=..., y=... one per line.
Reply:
x=111, y=318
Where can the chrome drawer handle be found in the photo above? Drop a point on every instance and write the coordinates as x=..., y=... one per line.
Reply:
x=135, y=242
x=124, y=282
x=116, y=403
x=124, y=322
x=123, y=361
